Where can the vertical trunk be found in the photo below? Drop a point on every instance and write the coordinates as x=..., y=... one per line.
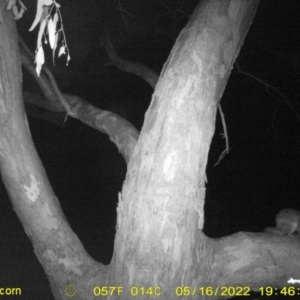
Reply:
x=159, y=239
x=56, y=246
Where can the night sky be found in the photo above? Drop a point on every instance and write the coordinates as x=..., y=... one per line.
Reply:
x=261, y=103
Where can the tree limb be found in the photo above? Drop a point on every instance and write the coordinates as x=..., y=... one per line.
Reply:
x=121, y=132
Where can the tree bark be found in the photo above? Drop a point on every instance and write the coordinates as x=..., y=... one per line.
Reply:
x=160, y=212
x=57, y=247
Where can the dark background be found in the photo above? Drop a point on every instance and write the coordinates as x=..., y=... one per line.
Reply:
x=245, y=190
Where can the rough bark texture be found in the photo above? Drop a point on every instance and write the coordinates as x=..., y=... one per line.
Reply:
x=160, y=214
x=58, y=249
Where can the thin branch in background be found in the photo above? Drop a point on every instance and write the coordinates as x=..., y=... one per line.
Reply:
x=225, y=135
x=270, y=88
x=123, y=12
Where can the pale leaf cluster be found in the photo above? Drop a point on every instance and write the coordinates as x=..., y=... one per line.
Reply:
x=48, y=16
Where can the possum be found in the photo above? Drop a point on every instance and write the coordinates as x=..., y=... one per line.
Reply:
x=287, y=222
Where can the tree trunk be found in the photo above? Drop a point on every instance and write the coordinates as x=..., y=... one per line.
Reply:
x=56, y=246
x=160, y=212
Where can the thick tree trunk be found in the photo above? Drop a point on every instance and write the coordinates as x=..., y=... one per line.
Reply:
x=160, y=213
x=58, y=249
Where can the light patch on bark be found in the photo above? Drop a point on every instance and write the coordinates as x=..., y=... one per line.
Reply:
x=32, y=191
x=169, y=167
